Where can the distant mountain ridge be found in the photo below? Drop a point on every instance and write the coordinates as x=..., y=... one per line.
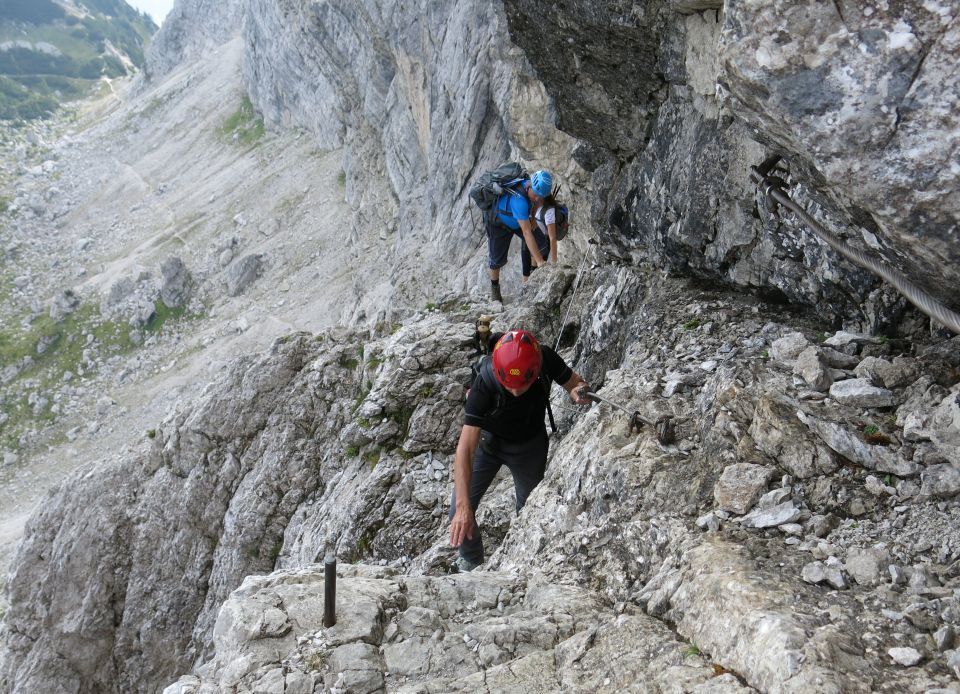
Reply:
x=55, y=51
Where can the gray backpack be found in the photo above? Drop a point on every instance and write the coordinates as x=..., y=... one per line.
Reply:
x=492, y=184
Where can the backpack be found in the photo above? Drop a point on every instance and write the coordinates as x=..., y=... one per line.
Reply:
x=562, y=214
x=491, y=185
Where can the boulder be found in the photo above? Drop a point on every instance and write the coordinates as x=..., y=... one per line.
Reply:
x=787, y=512
x=778, y=432
x=176, y=282
x=940, y=481
x=851, y=446
x=818, y=572
x=244, y=273
x=859, y=392
x=907, y=657
x=811, y=367
x=867, y=565
x=788, y=347
x=740, y=486
x=64, y=304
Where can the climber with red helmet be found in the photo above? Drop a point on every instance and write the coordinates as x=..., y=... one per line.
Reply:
x=512, y=215
x=504, y=425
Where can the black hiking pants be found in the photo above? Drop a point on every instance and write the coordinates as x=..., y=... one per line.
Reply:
x=527, y=461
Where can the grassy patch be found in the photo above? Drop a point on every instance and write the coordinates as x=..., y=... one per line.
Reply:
x=161, y=315
x=316, y=661
x=49, y=349
x=243, y=126
x=691, y=324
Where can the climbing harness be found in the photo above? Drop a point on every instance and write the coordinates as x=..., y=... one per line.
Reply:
x=772, y=188
x=664, y=426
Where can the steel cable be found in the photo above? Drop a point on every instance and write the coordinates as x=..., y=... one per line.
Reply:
x=771, y=188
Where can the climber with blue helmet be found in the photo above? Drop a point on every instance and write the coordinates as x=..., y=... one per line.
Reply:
x=512, y=215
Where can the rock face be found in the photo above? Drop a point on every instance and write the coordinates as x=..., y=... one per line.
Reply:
x=721, y=73
x=320, y=441
x=136, y=576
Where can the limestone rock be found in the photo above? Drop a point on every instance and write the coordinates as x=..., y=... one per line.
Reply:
x=64, y=304
x=740, y=486
x=811, y=367
x=786, y=512
x=788, y=347
x=176, y=282
x=907, y=657
x=852, y=447
x=819, y=572
x=243, y=273
x=940, y=481
x=867, y=566
x=779, y=433
x=859, y=393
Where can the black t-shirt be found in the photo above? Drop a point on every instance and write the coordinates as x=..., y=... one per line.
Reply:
x=492, y=408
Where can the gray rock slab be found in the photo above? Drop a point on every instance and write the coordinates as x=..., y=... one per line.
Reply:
x=859, y=392
x=788, y=347
x=781, y=514
x=940, y=481
x=812, y=368
x=243, y=273
x=850, y=445
x=818, y=572
x=777, y=431
x=904, y=656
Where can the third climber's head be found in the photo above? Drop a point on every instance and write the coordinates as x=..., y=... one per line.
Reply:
x=517, y=361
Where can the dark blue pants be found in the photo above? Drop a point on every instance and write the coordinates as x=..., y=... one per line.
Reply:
x=527, y=462
x=499, y=237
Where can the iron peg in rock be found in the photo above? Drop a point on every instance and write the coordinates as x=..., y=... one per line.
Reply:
x=664, y=426
x=329, y=589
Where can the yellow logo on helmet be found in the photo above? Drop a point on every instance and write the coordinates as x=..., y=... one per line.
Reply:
x=514, y=372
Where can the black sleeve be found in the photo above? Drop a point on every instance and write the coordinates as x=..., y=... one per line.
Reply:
x=480, y=402
x=555, y=367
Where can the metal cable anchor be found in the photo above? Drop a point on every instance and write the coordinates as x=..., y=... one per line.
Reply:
x=664, y=426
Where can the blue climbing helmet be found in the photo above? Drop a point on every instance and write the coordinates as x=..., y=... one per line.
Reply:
x=542, y=183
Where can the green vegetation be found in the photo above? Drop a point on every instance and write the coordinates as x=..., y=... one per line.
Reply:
x=342, y=179
x=60, y=56
x=151, y=433
x=316, y=661
x=49, y=350
x=162, y=313
x=32, y=11
x=691, y=324
x=352, y=451
x=691, y=650
x=348, y=362
x=243, y=126
x=871, y=430
x=372, y=458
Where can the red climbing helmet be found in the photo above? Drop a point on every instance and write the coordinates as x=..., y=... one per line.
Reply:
x=517, y=359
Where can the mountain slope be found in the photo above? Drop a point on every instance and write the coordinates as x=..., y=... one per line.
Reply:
x=51, y=52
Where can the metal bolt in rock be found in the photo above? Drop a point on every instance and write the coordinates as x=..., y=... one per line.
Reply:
x=329, y=589
x=664, y=426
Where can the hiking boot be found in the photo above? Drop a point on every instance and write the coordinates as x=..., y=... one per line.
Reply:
x=495, y=294
x=464, y=565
